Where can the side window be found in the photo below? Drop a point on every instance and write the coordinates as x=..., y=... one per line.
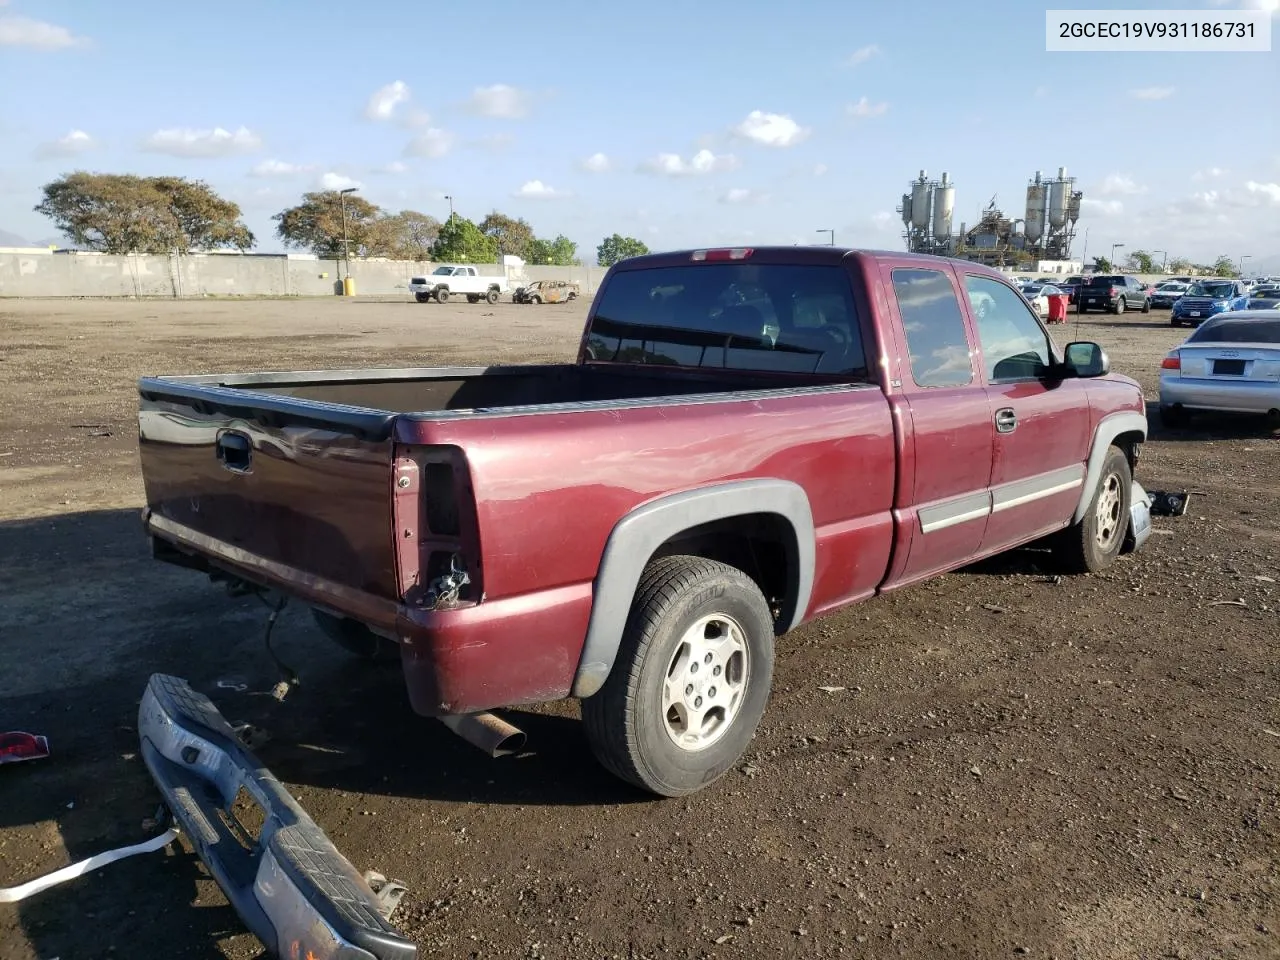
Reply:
x=1014, y=345
x=934, y=325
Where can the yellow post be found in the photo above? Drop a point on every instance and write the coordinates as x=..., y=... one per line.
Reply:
x=348, y=287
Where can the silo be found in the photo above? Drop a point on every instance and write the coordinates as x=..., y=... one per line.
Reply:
x=1058, y=199
x=944, y=205
x=1073, y=206
x=920, y=203
x=1034, y=223
x=906, y=209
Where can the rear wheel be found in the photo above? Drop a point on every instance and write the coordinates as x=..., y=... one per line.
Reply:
x=1146, y=306
x=491, y=297
x=442, y=296
x=691, y=681
x=473, y=298
x=1119, y=307
x=356, y=638
x=1093, y=544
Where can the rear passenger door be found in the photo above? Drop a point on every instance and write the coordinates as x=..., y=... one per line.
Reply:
x=943, y=500
x=1042, y=426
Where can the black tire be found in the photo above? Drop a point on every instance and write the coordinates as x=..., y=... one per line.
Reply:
x=625, y=722
x=1175, y=418
x=356, y=638
x=473, y=298
x=422, y=297
x=1079, y=548
x=1082, y=309
x=1119, y=307
x=491, y=297
x=1146, y=305
x=442, y=296
x=1174, y=323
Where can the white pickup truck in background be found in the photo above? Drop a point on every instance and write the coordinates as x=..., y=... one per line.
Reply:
x=450, y=281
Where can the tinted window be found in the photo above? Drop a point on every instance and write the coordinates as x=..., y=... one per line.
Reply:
x=1238, y=331
x=934, y=326
x=1106, y=281
x=1014, y=345
x=743, y=316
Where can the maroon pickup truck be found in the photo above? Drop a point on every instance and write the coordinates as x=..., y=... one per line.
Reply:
x=749, y=439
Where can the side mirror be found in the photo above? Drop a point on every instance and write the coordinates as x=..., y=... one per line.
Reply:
x=1086, y=359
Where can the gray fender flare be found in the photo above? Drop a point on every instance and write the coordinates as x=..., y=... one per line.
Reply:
x=637, y=536
x=1109, y=428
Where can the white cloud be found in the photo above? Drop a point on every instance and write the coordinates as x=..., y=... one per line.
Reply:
x=862, y=55
x=537, y=190
x=278, y=168
x=1119, y=184
x=702, y=162
x=771, y=129
x=18, y=31
x=383, y=102
x=865, y=108
x=396, y=167
x=218, y=142
x=741, y=195
x=1105, y=208
x=75, y=142
x=597, y=163
x=1152, y=93
x=433, y=143
x=819, y=169
x=1212, y=173
x=336, y=181
x=501, y=101
x=1269, y=190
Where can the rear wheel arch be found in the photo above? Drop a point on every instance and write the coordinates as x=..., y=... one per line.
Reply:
x=706, y=520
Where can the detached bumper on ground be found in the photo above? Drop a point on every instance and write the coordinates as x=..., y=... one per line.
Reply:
x=291, y=886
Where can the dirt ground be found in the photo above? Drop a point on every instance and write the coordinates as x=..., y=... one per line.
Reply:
x=1014, y=764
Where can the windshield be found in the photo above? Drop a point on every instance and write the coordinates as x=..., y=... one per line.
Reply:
x=1238, y=331
x=441, y=271
x=1216, y=290
x=766, y=317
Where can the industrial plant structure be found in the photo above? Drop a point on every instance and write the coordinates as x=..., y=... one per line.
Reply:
x=1048, y=223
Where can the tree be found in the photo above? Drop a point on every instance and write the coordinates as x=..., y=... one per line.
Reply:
x=512, y=236
x=316, y=224
x=122, y=213
x=615, y=248
x=1102, y=265
x=407, y=235
x=460, y=241
x=1224, y=267
x=1142, y=262
x=1180, y=265
x=560, y=252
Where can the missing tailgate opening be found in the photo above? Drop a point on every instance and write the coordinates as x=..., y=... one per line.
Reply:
x=245, y=819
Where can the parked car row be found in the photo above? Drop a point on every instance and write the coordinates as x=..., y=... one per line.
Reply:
x=451, y=280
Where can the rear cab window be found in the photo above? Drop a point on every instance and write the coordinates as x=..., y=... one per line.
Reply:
x=936, y=337
x=1107, y=281
x=766, y=317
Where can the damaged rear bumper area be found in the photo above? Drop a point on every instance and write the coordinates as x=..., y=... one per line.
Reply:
x=290, y=885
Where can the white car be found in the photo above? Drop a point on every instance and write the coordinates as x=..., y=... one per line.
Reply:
x=1038, y=296
x=1231, y=363
x=452, y=281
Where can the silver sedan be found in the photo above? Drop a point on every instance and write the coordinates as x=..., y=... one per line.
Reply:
x=1231, y=363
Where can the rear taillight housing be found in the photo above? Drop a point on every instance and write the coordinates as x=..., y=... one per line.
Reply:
x=1112, y=292
x=1171, y=362
x=727, y=253
x=436, y=529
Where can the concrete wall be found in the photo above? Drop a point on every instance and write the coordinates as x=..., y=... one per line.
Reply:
x=69, y=275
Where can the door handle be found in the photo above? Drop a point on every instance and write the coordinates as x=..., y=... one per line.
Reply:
x=235, y=452
x=1006, y=420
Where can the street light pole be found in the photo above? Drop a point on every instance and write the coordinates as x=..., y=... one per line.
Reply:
x=1113, y=254
x=450, y=199
x=1165, y=262
x=832, y=242
x=1242, y=260
x=346, y=244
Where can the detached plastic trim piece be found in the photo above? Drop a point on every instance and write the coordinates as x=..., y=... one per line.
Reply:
x=292, y=887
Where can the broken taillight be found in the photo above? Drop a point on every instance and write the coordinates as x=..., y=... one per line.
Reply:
x=726, y=253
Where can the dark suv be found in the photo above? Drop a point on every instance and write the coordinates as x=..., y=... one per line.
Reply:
x=1115, y=293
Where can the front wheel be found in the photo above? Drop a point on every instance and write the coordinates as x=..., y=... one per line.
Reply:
x=692, y=677
x=1093, y=544
x=422, y=297
x=491, y=297
x=442, y=296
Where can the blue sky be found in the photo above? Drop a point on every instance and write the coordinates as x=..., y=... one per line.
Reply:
x=804, y=116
